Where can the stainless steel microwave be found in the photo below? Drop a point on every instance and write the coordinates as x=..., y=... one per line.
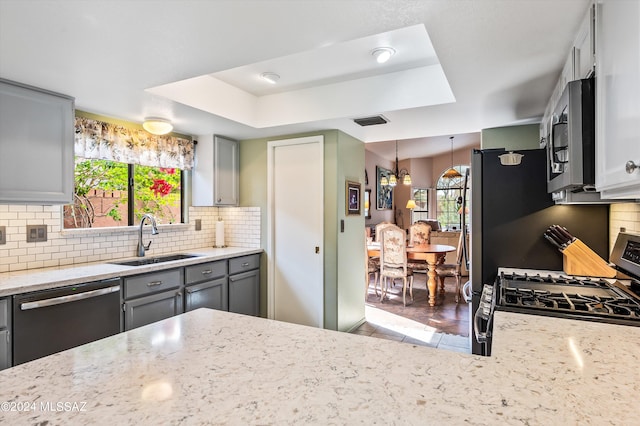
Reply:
x=571, y=143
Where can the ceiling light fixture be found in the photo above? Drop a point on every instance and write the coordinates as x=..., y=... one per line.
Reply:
x=383, y=54
x=157, y=126
x=402, y=175
x=270, y=77
x=451, y=173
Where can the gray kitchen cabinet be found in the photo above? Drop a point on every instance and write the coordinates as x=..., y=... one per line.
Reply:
x=618, y=99
x=216, y=173
x=148, y=309
x=5, y=333
x=152, y=297
x=36, y=145
x=206, y=286
x=244, y=285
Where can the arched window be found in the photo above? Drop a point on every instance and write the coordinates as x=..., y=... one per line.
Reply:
x=449, y=196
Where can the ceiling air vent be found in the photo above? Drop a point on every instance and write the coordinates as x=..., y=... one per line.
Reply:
x=371, y=121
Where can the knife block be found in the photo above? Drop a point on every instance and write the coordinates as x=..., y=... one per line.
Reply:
x=579, y=259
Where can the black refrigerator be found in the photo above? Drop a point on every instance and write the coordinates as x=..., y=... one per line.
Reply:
x=510, y=210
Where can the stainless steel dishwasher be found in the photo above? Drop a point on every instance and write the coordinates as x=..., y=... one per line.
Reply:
x=50, y=321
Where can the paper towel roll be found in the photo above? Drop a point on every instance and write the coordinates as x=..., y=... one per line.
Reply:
x=220, y=233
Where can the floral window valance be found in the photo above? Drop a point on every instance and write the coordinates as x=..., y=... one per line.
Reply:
x=106, y=141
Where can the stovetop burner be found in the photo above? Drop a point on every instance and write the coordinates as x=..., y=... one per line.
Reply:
x=571, y=297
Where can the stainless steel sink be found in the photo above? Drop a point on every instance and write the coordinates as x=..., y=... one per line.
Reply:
x=151, y=260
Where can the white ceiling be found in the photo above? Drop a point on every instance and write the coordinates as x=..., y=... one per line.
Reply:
x=131, y=59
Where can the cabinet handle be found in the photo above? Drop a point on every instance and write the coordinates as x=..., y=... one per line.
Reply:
x=154, y=283
x=219, y=200
x=630, y=167
x=207, y=272
x=245, y=264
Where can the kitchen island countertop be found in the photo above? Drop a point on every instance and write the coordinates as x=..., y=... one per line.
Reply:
x=45, y=278
x=217, y=367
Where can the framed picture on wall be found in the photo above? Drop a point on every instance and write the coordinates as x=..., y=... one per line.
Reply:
x=353, y=198
x=384, y=193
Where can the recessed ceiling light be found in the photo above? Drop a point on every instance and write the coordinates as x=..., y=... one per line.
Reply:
x=383, y=54
x=270, y=77
x=157, y=126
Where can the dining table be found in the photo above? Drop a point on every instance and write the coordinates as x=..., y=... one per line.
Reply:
x=432, y=254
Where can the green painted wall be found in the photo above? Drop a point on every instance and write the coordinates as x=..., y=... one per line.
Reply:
x=512, y=137
x=343, y=256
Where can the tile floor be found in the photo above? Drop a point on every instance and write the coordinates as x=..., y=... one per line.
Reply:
x=445, y=326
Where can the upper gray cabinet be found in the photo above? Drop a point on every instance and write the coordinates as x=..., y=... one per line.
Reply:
x=36, y=145
x=216, y=172
x=618, y=98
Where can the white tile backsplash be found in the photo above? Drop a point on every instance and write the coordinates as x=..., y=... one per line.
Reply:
x=69, y=247
x=623, y=215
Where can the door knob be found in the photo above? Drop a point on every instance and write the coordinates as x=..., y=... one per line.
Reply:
x=630, y=167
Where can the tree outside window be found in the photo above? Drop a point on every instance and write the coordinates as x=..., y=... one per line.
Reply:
x=449, y=200
x=109, y=193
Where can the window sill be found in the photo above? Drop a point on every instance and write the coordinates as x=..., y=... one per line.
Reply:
x=113, y=230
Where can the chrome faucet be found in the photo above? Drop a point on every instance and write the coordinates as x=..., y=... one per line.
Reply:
x=154, y=231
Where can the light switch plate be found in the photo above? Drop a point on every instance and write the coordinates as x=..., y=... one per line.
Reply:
x=36, y=233
x=3, y=235
x=198, y=224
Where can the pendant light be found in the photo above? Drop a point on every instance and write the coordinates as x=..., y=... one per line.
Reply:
x=397, y=176
x=451, y=173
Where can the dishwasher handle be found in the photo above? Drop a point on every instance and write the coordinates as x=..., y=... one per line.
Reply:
x=69, y=298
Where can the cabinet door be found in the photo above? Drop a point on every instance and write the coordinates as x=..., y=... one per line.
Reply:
x=215, y=175
x=211, y=294
x=225, y=172
x=618, y=98
x=148, y=309
x=5, y=349
x=584, y=48
x=244, y=293
x=36, y=145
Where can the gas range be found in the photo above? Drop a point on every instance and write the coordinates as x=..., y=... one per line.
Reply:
x=554, y=293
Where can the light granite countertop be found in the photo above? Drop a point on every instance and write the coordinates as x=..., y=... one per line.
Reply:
x=212, y=367
x=45, y=278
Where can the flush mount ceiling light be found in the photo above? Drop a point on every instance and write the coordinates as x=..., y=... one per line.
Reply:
x=382, y=54
x=270, y=77
x=157, y=126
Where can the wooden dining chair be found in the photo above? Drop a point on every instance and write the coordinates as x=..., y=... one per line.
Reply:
x=393, y=260
x=372, y=266
x=419, y=234
x=452, y=269
x=379, y=228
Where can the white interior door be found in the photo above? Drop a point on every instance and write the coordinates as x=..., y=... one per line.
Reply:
x=295, y=231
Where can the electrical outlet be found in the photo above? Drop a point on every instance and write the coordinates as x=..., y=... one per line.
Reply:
x=36, y=233
x=3, y=235
x=198, y=224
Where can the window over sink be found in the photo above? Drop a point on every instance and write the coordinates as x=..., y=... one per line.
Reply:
x=109, y=193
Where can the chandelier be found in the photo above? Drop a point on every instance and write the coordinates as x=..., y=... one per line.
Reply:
x=397, y=176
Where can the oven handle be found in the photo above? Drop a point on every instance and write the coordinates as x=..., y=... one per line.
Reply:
x=70, y=298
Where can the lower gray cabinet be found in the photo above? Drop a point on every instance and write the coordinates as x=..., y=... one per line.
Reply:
x=148, y=309
x=152, y=297
x=244, y=293
x=5, y=333
x=211, y=294
x=206, y=286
